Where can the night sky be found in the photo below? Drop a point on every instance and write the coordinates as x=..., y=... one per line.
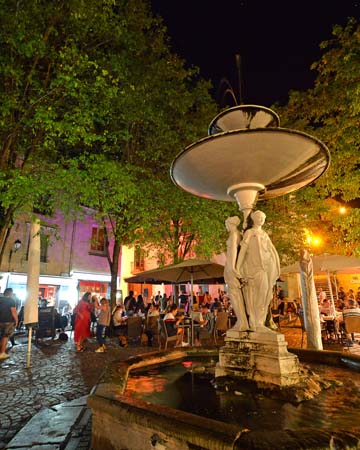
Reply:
x=277, y=40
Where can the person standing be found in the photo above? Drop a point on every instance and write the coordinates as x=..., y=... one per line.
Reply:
x=103, y=322
x=82, y=321
x=130, y=303
x=8, y=320
x=158, y=298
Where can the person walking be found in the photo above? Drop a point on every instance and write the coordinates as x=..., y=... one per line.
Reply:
x=8, y=320
x=103, y=322
x=82, y=321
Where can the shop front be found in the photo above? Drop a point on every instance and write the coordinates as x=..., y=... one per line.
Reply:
x=56, y=290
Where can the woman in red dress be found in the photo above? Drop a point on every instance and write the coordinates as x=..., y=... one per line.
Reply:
x=82, y=321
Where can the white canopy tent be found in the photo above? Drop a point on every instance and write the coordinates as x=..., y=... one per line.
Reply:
x=328, y=264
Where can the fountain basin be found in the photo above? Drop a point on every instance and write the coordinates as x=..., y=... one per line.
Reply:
x=123, y=422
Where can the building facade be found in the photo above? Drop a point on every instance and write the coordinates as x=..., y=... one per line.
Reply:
x=73, y=259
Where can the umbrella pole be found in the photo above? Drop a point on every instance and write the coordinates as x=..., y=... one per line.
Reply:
x=28, y=355
x=192, y=308
x=331, y=294
x=336, y=287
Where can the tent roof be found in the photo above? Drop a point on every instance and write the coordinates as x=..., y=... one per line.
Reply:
x=328, y=263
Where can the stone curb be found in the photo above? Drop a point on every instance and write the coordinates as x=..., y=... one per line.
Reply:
x=58, y=427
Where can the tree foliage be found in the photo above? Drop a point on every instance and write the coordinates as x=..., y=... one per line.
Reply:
x=81, y=78
x=331, y=112
x=182, y=225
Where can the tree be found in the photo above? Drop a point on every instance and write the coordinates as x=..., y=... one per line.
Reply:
x=87, y=78
x=331, y=112
x=183, y=225
x=69, y=83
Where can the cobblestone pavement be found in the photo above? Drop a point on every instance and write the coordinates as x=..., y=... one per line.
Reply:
x=57, y=374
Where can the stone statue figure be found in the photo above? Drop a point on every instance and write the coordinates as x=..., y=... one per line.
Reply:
x=258, y=266
x=230, y=276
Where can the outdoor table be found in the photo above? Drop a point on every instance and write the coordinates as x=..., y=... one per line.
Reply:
x=187, y=324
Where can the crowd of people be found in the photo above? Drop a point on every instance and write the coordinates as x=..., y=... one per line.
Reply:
x=114, y=323
x=346, y=304
x=92, y=316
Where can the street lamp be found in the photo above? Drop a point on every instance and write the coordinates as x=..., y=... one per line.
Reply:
x=16, y=246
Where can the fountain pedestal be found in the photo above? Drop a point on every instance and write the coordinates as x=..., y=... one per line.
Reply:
x=258, y=356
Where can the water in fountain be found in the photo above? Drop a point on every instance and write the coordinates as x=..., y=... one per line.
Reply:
x=188, y=386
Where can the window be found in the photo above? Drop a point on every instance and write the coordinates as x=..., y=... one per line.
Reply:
x=139, y=260
x=45, y=241
x=98, y=241
x=45, y=233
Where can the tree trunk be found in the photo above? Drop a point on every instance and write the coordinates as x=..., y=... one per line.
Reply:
x=5, y=227
x=114, y=270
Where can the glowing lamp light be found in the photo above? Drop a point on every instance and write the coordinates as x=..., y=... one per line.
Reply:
x=342, y=210
x=312, y=240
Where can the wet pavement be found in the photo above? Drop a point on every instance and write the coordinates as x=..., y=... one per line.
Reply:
x=57, y=375
x=44, y=406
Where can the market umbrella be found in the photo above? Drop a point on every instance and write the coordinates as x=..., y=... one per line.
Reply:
x=328, y=263
x=193, y=270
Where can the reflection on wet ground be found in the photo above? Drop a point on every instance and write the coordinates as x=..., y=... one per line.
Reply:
x=185, y=387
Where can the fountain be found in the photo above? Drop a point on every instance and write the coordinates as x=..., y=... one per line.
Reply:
x=246, y=157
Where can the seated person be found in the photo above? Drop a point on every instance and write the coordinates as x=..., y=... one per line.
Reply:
x=171, y=321
x=205, y=319
x=325, y=307
x=119, y=320
x=351, y=310
x=215, y=305
x=208, y=318
x=151, y=325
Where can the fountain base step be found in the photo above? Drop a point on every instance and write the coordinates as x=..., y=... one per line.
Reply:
x=258, y=356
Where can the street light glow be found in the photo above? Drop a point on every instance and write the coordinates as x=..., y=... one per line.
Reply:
x=342, y=210
x=311, y=240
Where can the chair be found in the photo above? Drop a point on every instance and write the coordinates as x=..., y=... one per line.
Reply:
x=164, y=335
x=152, y=328
x=134, y=329
x=332, y=331
x=221, y=324
x=352, y=325
x=275, y=313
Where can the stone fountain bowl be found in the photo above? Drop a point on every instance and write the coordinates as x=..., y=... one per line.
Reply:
x=123, y=422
